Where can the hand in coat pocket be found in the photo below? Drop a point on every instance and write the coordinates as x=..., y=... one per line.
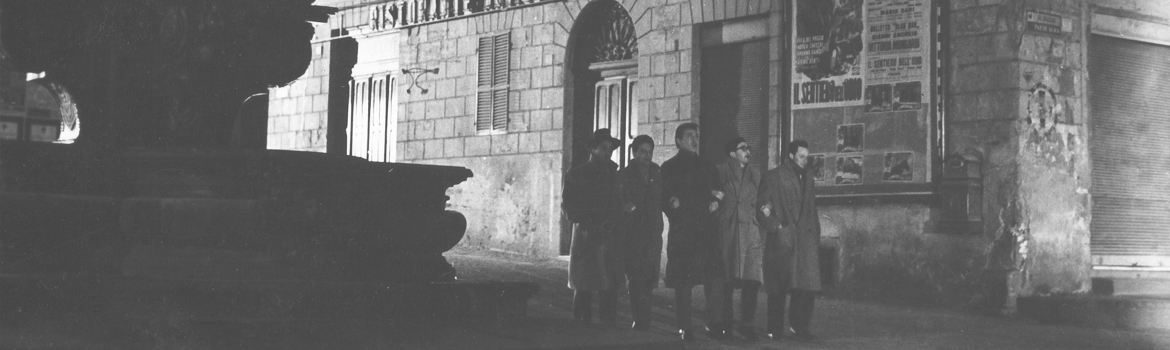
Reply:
x=784, y=236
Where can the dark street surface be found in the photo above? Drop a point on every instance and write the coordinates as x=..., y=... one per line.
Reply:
x=841, y=324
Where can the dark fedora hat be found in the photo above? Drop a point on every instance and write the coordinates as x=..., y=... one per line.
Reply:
x=602, y=135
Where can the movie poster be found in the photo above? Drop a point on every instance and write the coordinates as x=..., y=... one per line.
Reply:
x=828, y=53
x=878, y=98
x=816, y=165
x=898, y=167
x=850, y=138
x=907, y=96
x=849, y=170
x=897, y=52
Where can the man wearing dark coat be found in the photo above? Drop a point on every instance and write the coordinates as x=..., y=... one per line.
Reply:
x=590, y=201
x=640, y=188
x=743, y=246
x=788, y=213
x=693, y=250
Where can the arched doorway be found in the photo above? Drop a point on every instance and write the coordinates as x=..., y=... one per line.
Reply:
x=601, y=77
x=51, y=114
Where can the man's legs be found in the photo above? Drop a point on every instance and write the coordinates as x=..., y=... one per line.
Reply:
x=776, y=310
x=582, y=305
x=749, y=291
x=713, y=292
x=749, y=295
x=682, y=311
x=801, y=317
x=640, y=293
x=607, y=306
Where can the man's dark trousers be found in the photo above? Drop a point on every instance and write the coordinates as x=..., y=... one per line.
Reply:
x=800, y=317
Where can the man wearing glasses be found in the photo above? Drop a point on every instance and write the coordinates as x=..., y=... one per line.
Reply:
x=743, y=247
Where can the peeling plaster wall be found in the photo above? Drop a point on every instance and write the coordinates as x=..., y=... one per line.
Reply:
x=1018, y=103
x=508, y=202
x=1052, y=233
x=889, y=253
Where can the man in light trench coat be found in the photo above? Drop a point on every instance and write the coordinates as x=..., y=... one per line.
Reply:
x=743, y=246
x=590, y=201
x=791, y=265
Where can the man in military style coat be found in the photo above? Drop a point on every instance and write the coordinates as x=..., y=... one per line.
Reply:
x=788, y=213
x=590, y=201
x=743, y=246
x=693, y=253
x=640, y=188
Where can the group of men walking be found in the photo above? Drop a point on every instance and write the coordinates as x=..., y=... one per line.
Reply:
x=731, y=228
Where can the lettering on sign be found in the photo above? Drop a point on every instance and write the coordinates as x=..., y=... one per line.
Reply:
x=1043, y=22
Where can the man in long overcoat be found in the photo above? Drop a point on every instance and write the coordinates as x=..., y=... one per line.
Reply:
x=693, y=253
x=743, y=246
x=788, y=213
x=590, y=201
x=640, y=188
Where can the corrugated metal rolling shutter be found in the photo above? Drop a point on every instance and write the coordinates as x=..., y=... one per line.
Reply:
x=752, y=122
x=734, y=99
x=1130, y=147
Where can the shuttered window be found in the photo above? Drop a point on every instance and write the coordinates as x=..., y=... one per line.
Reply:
x=1130, y=127
x=491, y=115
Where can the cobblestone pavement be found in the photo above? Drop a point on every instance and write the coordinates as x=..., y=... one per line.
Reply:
x=841, y=324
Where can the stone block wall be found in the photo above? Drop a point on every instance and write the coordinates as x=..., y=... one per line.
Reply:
x=298, y=112
x=513, y=202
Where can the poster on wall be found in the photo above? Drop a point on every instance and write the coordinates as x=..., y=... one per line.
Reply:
x=816, y=165
x=898, y=167
x=9, y=130
x=878, y=98
x=828, y=53
x=850, y=138
x=897, y=52
x=907, y=96
x=849, y=170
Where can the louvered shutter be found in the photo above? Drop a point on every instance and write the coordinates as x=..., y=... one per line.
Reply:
x=734, y=100
x=1131, y=156
x=752, y=121
x=492, y=91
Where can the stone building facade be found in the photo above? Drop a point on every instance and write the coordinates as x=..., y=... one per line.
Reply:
x=968, y=181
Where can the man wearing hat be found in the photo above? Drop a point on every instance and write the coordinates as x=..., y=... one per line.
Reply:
x=590, y=201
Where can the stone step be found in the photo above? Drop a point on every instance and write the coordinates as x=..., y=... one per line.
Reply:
x=260, y=302
x=1130, y=312
x=1131, y=286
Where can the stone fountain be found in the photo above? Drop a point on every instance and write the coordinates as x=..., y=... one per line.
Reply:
x=168, y=225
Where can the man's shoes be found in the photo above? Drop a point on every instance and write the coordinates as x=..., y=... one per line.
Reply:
x=641, y=326
x=805, y=337
x=748, y=333
x=718, y=332
x=686, y=335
